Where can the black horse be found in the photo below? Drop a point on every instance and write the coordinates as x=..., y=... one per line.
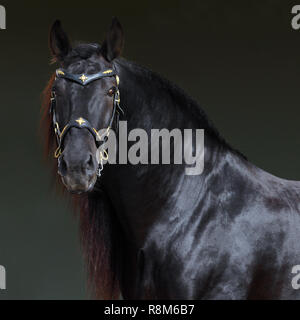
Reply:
x=151, y=231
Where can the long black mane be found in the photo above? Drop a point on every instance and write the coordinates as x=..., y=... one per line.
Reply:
x=192, y=106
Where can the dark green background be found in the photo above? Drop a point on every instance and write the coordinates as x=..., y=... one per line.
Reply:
x=239, y=59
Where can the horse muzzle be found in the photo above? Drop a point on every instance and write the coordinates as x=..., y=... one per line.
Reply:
x=80, y=175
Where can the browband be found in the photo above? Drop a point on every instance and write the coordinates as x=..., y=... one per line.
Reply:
x=84, y=79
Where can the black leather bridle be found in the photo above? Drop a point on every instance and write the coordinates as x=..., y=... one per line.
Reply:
x=81, y=123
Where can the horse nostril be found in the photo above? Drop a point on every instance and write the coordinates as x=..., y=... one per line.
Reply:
x=62, y=166
x=90, y=164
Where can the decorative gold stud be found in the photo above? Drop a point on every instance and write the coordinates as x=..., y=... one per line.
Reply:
x=80, y=121
x=83, y=78
x=107, y=71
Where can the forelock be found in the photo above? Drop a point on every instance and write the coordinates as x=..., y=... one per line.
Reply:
x=85, y=51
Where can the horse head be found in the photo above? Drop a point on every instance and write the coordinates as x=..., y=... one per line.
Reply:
x=84, y=100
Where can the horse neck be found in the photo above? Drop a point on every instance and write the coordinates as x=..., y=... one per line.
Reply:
x=141, y=193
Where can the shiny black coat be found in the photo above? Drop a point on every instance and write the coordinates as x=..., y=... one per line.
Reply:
x=230, y=233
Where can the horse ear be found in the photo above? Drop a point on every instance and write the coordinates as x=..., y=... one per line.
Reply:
x=114, y=42
x=58, y=41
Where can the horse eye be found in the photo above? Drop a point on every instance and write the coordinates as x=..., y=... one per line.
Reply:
x=112, y=91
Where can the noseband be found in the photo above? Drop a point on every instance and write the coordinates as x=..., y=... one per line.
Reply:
x=81, y=123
